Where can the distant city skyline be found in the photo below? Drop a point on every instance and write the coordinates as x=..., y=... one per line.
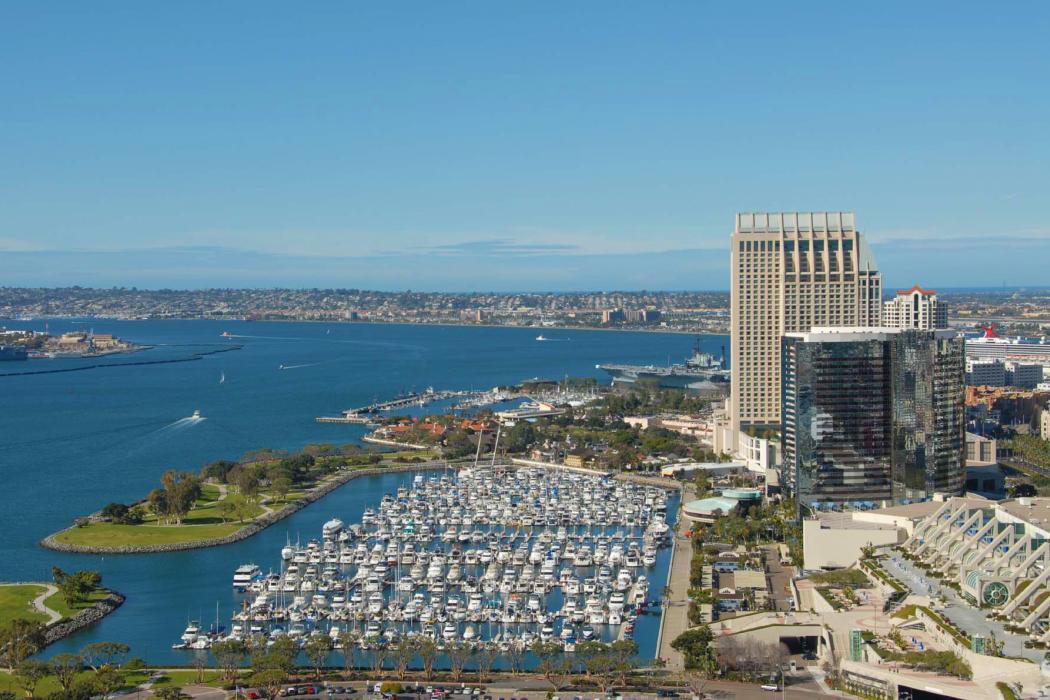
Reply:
x=545, y=146
x=964, y=264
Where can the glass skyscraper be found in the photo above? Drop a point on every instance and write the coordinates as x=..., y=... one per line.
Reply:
x=872, y=415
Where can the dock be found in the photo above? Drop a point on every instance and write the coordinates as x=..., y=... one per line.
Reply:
x=364, y=414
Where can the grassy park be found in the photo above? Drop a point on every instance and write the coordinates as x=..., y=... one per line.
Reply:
x=16, y=602
x=224, y=498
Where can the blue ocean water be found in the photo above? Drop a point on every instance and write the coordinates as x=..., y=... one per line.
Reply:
x=70, y=442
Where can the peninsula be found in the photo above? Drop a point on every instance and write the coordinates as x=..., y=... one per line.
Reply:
x=226, y=501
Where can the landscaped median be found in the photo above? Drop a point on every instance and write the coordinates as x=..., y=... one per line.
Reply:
x=207, y=523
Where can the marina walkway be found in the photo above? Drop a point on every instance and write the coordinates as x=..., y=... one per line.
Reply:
x=675, y=619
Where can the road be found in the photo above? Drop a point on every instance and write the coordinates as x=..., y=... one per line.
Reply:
x=801, y=687
x=778, y=578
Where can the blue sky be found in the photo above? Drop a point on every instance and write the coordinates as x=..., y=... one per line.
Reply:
x=514, y=146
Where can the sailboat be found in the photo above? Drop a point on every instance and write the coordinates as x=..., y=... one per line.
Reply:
x=222, y=377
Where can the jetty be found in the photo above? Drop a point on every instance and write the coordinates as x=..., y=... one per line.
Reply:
x=364, y=414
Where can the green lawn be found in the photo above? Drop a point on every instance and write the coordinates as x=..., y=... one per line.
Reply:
x=113, y=535
x=57, y=603
x=50, y=685
x=204, y=522
x=16, y=602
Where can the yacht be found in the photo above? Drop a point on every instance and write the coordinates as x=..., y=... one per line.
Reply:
x=245, y=575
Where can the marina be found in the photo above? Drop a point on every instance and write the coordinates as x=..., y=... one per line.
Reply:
x=126, y=437
x=491, y=555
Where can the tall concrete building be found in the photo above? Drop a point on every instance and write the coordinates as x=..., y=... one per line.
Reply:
x=915, y=308
x=790, y=272
x=873, y=414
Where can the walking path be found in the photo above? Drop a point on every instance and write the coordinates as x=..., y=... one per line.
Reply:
x=38, y=602
x=675, y=617
x=971, y=619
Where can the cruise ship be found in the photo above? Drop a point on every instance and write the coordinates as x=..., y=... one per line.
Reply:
x=992, y=346
x=700, y=371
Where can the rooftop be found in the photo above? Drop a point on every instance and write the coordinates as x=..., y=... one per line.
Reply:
x=1035, y=511
x=916, y=288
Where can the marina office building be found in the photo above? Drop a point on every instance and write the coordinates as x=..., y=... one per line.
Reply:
x=790, y=272
x=872, y=416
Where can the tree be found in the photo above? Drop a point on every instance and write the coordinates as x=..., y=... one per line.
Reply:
x=158, y=502
x=552, y=662
x=241, y=507
x=317, y=649
x=30, y=673
x=485, y=657
x=598, y=662
x=171, y=692
x=108, y=680
x=247, y=482
x=117, y=512
x=404, y=650
x=695, y=646
x=280, y=487
x=427, y=654
x=19, y=640
x=217, y=470
x=515, y=656
x=100, y=654
x=229, y=654
x=282, y=654
x=65, y=667
x=227, y=509
x=346, y=644
x=377, y=659
x=696, y=682
x=76, y=587
x=181, y=491
x=270, y=680
x=623, y=652
x=458, y=654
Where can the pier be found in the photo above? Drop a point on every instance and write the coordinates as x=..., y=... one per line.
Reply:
x=364, y=414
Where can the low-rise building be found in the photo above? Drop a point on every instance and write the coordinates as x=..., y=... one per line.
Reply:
x=836, y=540
x=708, y=510
x=711, y=469
x=1023, y=374
x=985, y=372
x=980, y=450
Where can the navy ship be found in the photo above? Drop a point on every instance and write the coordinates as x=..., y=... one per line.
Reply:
x=11, y=352
x=700, y=371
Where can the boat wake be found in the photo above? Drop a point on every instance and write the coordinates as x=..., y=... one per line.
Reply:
x=300, y=366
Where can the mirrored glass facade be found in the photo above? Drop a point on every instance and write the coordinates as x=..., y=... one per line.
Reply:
x=872, y=416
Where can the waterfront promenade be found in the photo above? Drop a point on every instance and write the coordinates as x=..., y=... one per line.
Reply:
x=675, y=616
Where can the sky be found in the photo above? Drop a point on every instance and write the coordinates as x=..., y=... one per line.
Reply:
x=480, y=146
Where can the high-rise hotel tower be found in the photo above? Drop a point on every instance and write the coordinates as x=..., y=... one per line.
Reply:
x=790, y=272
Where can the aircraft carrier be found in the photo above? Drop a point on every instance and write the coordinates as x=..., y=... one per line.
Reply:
x=701, y=371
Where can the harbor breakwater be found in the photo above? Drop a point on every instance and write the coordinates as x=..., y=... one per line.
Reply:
x=137, y=363
x=51, y=541
x=84, y=618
